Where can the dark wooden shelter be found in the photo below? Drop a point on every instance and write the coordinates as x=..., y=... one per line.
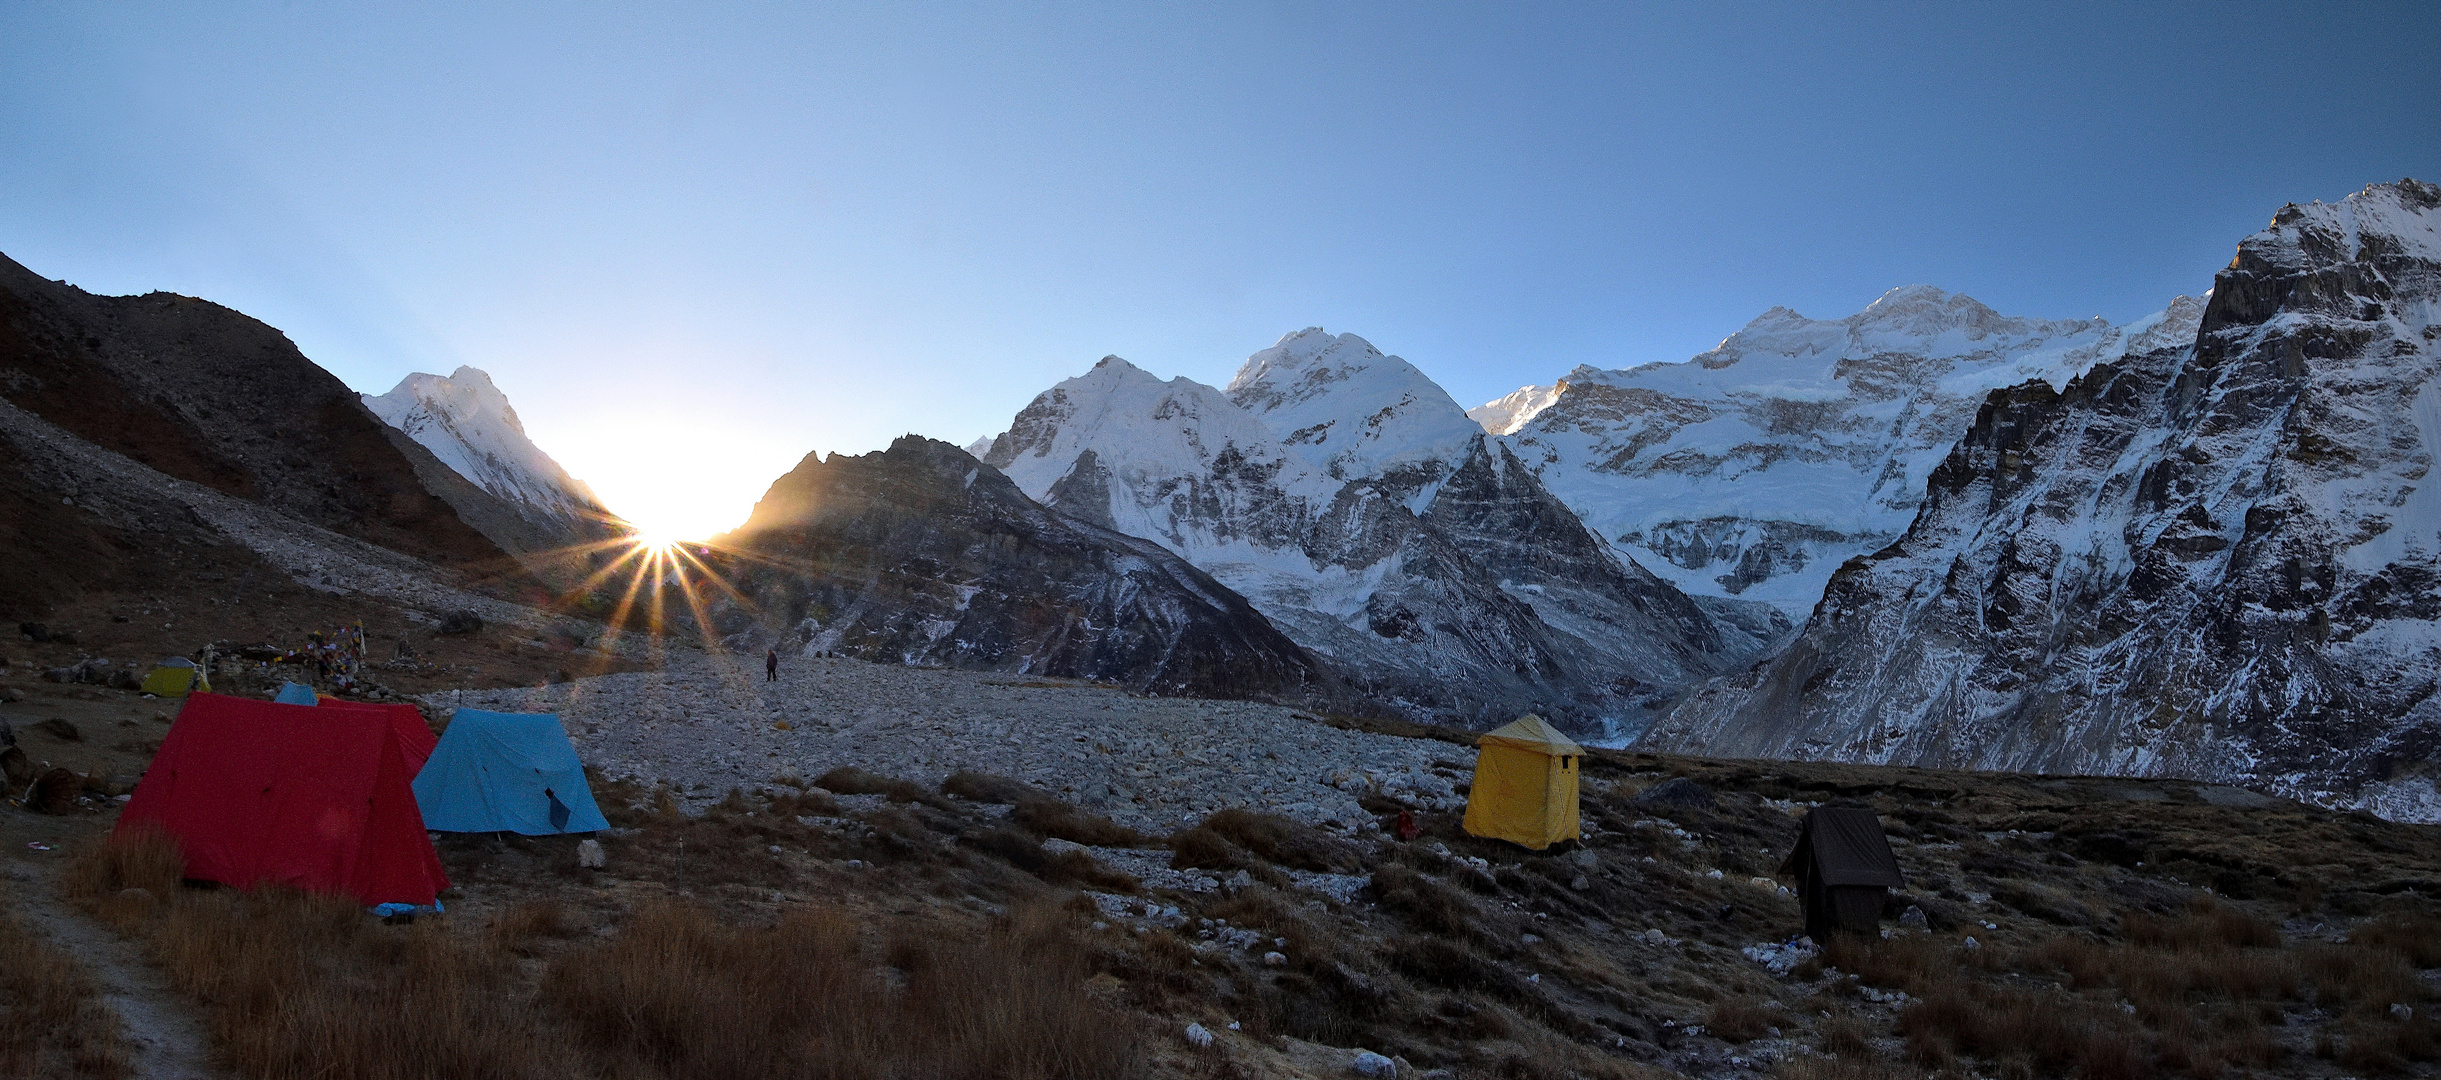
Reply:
x=1844, y=871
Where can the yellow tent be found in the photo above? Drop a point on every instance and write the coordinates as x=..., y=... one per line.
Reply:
x=1525, y=785
x=174, y=677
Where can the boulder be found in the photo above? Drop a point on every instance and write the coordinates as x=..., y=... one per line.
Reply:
x=18, y=768
x=59, y=728
x=1368, y=1063
x=55, y=792
x=461, y=621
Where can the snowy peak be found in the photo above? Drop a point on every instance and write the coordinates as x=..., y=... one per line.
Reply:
x=1351, y=410
x=1755, y=469
x=2173, y=327
x=1506, y=414
x=1913, y=319
x=468, y=424
x=1145, y=428
x=2209, y=556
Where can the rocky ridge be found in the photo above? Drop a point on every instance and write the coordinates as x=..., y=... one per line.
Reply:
x=205, y=394
x=2214, y=559
x=1755, y=469
x=1351, y=501
x=920, y=554
x=469, y=426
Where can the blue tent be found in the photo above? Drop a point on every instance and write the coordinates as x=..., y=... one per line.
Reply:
x=506, y=772
x=296, y=694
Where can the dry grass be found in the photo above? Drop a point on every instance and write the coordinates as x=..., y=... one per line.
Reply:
x=850, y=780
x=297, y=985
x=2414, y=935
x=685, y=996
x=1041, y=813
x=1051, y=817
x=1845, y=1036
x=1279, y=840
x=1843, y=1068
x=53, y=1021
x=989, y=788
x=517, y=928
x=2053, y=1032
x=1742, y=1019
x=2198, y=993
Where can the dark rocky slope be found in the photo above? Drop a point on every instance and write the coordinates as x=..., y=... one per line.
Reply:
x=209, y=395
x=921, y=554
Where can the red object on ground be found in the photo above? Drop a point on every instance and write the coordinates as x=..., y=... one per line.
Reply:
x=317, y=798
x=1406, y=826
x=415, y=736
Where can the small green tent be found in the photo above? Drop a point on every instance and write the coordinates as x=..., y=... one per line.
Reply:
x=174, y=677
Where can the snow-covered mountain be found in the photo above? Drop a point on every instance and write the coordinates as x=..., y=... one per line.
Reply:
x=1510, y=411
x=467, y=423
x=1345, y=495
x=2217, y=558
x=1756, y=469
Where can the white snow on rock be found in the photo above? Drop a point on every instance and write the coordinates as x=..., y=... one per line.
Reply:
x=467, y=423
x=1755, y=469
x=1302, y=388
x=2212, y=560
x=1509, y=412
x=1351, y=501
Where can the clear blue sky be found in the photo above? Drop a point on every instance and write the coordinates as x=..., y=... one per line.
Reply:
x=695, y=241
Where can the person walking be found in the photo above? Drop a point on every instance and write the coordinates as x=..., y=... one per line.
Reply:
x=771, y=665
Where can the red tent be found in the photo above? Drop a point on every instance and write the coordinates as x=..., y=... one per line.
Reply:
x=415, y=737
x=299, y=795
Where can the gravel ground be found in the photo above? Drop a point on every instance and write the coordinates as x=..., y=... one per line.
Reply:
x=704, y=724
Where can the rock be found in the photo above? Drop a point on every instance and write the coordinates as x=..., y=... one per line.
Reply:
x=55, y=792
x=60, y=729
x=19, y=769
x=2402, y=1012
x=1273, y=959
x=34, y=631
x=1913, y=918
x=126, y=679
x=461, y=621
x=115, y=786
x=1580, y=883
x=1368, y=1063
x=1970, y=944
x=1678, y=793
x=1198, y=1036
x=11, y=694
x=2333, y=306
x=8, y=735
x=589, y=854
x=1237, y=883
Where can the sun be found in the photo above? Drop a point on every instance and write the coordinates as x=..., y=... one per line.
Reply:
x=654, y=542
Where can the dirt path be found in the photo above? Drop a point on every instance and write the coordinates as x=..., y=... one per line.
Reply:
x=166, y=1039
